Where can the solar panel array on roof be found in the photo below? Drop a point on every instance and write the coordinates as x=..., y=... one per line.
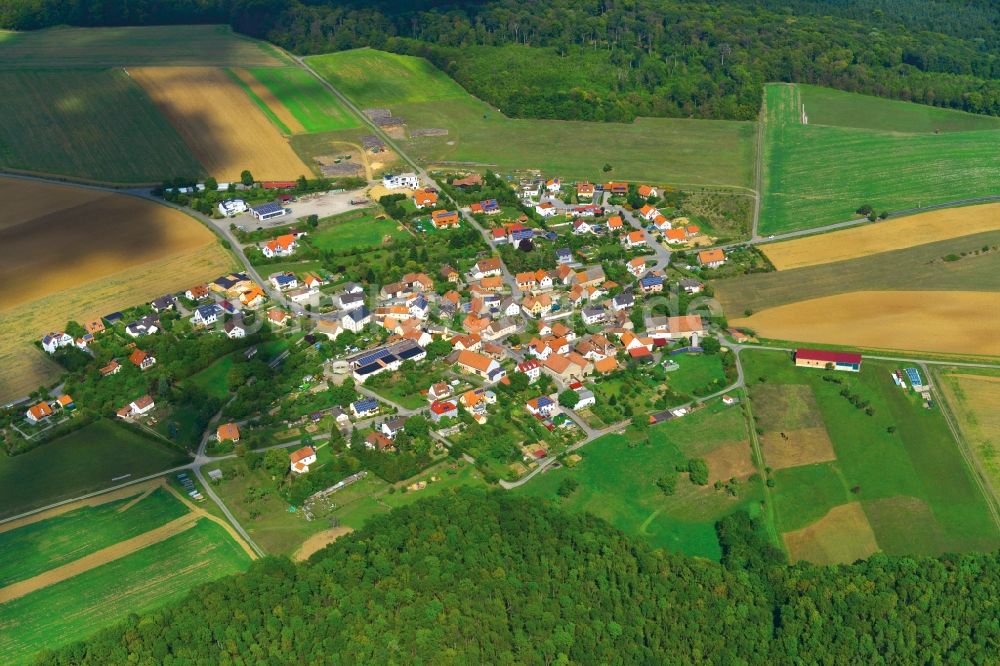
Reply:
x=265, y=209
x=407, y=354
x=365, y=405
x=372, y=357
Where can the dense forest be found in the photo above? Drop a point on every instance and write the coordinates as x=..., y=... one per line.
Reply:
x=476, y=577
x=616, y=60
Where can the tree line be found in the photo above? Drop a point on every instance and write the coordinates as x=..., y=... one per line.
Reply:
x=486, y=577
x=613, y=62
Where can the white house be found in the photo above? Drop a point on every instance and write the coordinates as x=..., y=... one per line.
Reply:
x=532, y=368
x=546, y=209
x=231, y=207
x=400, y=181
x=206, y=315
x=141, y=406
x=234, y=328
x=581, y=227
x=553, y=185
x=54, y=341
x=282, y=246
x=355, y=320
x=541, y=406
x=300, y=459
x=585, y=398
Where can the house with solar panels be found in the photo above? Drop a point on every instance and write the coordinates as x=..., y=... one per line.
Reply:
x=385, y=358
x=269, y=211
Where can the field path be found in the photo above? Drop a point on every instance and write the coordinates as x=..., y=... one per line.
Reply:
x=103, y=556
x=201, y=513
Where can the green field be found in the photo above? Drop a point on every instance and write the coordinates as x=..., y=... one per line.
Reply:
x=350, y=231
x=661, y=150
x=819, y=174
x=97, y=125
x=146, y=579
x=47, y=544
x=901, y=463
x=618, y=482
x=312, y=105
x=261, y=104
x=696, y=372
x=826, y=106
x=193, y=45
x=81, y=462
x=920, y=268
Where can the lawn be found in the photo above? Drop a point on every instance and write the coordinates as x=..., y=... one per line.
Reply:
x=83, y=461
x=142, y=581
x=213, y=380
x=697, y=371
x=920, y=268
x=351, y=231
x=96, y=125
x=662, y=150
x=192, y=45
x=304, y=96
x=901, y=463
x=819, y=174
x=618, y=481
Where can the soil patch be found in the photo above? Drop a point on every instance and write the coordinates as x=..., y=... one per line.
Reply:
x=842, y=536
x=936, y=321
x=791, y=448
x=221, y=125
x=728, y=461
x=884, y=236
x=319, y=541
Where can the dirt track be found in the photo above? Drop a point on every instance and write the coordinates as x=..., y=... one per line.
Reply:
x=220, y=123
x=143, y=489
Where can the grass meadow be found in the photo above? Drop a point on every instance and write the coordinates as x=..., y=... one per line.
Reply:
x=94, y=125
x=353, y=231
x=661, y=150
x=37, y=547
x=617, y=481
x=73, y=609
x=80, y=462
x=818, y=174
x=194, y=45
x=315, y=107
x=901, y=464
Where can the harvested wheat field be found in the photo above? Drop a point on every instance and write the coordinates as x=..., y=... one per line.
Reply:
x=729, y=461
x=280, y=111
x=27, y=200
x=219, y=122
x=842, y=536
x=871, y=239
x=975, y=400
x=791, y=448
x=956, y=322
x=319, y=541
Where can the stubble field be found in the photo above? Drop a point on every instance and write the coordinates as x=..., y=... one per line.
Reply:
x=896, y=234
x=219, y=122
x=973, y=395
x=58, y=268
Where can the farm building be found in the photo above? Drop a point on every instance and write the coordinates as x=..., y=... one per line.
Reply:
x=268, y=211
x=820, y=358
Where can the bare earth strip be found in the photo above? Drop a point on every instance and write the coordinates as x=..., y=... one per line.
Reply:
x=319, y=541
x=871, y=239
x=957, y=322
x=272, y=102
x=220, y=123
x=197, y=510
x=103, y=556
x=23, y=367
x=804, y=446
x=842, y=536
x=142, y=489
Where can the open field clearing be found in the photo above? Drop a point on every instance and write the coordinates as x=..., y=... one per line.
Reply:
x=794, y=433
x=58, y=269
x=827, y=106
x=221, y=125
x=93, y=125
x=351, y=231
x=58, y=48
x=267, y=102
x=314, y=108
x=319, y=541
x=78, y=463
x=973, y=394
x=618, y=480
x=146, y=579
x=842, y=535
x=926, y=267
x=37, y=547
x=816, y=175
x=895, y=234
x=661, y=150
x=952, y=322
x=57, y=250
x=900, y=462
